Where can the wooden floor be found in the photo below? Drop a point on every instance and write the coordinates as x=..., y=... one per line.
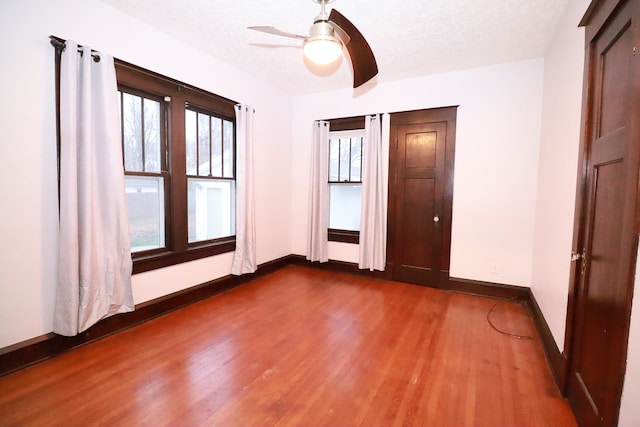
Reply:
x=302, y=347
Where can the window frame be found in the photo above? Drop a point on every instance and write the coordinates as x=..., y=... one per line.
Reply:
x=337, y=125
x=177, y=98
x=164, y=173
x=223, y=176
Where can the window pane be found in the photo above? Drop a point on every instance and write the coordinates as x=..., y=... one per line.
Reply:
x=132, y=132
x=216, y=146
x=344, y=206
x=204, y=156
x=227, y=167
x=356, y=159
x=145, y=204
x=211, y=205
x=334, y=152
x=191, y=142
x=345, y=144
x=151, y=135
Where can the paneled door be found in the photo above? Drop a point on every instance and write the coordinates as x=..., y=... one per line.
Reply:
x=420, y=195
x=605, y=244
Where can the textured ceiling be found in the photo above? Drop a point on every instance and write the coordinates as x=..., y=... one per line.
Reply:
x=409, y=37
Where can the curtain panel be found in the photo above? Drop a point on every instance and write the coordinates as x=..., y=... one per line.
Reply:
x=94, y=271
x=373, y=221
x=244, y=258
x=318, y=223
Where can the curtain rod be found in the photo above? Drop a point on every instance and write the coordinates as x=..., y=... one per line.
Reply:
x=354, y=118
x=61, y=44
x=246, y=107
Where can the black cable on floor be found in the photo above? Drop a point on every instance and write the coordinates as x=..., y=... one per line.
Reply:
x=522, y=337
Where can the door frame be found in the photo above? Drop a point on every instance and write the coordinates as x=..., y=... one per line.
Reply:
x=596, y=16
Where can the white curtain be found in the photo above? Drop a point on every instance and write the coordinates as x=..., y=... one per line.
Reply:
x=373, y=220
x=94, y=278
x=317, y=241
x=244, y=258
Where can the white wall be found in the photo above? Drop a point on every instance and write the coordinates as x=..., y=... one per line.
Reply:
x=561, y=112
x=629, y=408
x=562, y=103
x=497, y=137
x=28, y=228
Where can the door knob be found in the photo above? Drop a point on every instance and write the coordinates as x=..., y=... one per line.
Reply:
x=436, y=219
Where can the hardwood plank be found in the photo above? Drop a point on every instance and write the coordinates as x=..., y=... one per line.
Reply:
x=302, y=346
x=40, y=348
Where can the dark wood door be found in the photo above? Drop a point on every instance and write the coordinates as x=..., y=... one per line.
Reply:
x=606, y=240
x=420, y=187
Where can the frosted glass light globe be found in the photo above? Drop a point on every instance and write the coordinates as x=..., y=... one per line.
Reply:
x=322, y=50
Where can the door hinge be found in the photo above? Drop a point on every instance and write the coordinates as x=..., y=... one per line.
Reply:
x=634, y=51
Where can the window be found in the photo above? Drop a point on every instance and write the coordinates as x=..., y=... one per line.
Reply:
x=143, y=142
x=346, y=149
x=179, y=158
x=210, y=182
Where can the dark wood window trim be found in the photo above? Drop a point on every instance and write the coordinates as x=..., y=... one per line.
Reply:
x=150, y=261
x=178, y=95
x=344, y=236
x=143, y=82
x=344, y=124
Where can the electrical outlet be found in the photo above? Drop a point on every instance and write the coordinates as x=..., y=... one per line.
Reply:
x=495, y=268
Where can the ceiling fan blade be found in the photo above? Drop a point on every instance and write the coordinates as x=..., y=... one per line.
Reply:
x=272, y=30
x=362, y=59
x=275, y=46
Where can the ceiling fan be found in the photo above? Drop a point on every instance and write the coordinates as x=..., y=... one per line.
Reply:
x=327, y=37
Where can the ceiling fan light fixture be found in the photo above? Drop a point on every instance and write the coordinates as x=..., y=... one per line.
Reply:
x=328, y=35
x=323, y=50
x=322, y=46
